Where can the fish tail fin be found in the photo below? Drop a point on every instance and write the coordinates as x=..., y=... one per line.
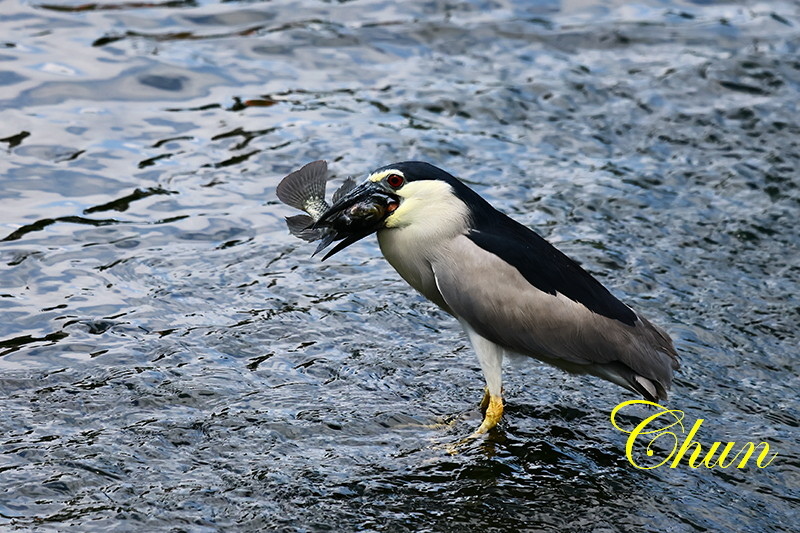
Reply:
x=300, y=185
x=300, y=226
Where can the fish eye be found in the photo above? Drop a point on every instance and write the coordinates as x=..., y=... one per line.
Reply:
x=395, y=181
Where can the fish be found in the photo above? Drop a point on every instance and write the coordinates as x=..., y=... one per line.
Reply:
x=304, y=189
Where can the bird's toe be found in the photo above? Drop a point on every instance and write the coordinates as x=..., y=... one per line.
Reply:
x=494, y=412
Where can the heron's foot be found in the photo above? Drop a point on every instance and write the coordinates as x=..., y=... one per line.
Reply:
x=444, y=423
x=494, y=412
x=401, y=421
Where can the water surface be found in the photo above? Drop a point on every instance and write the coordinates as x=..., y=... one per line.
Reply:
x=171, y=359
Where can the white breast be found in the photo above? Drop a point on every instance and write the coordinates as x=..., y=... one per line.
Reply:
x=428, y=218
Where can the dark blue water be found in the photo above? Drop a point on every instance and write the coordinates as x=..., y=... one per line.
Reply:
x=171, y=359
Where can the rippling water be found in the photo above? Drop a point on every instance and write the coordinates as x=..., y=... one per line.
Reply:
x=171, y=359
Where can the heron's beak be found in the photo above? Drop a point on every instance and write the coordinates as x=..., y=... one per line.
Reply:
x=357, y=214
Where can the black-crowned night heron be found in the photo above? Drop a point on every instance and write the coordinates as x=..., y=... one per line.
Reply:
x=510, y=289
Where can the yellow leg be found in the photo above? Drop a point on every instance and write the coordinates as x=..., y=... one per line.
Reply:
x=494, y=412
x=492, y=406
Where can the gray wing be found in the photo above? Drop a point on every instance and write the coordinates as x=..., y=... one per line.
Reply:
x=502, y=306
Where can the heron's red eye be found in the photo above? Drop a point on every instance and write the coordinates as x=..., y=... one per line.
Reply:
x=395, y=181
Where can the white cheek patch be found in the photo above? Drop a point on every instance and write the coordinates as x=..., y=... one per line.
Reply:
x=430, y=207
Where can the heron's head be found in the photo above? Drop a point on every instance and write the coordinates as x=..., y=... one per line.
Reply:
x=410, y=194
